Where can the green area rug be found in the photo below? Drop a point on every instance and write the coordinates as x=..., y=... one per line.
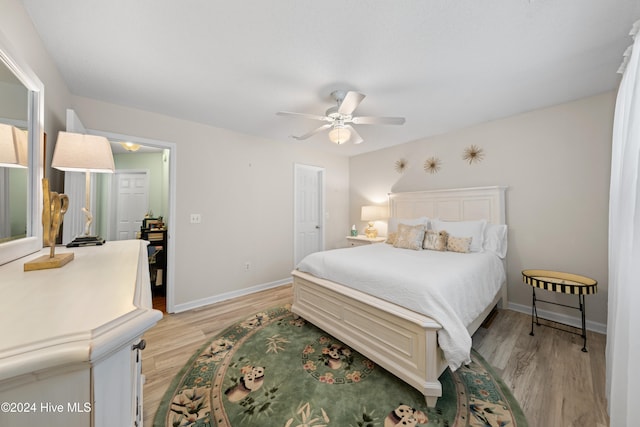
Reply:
x=274, y=370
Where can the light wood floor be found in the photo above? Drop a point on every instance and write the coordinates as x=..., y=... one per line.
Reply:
x=555, y=383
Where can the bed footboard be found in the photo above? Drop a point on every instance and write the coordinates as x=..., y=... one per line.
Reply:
x=399, y=340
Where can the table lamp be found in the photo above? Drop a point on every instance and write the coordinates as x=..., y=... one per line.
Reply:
x=372, y=214
x=84, y=153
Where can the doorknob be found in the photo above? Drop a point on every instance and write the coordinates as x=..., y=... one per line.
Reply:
x=317, y=226
x=140, y=346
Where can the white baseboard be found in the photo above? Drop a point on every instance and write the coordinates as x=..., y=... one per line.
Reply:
x=229, y=295
x=600, y=328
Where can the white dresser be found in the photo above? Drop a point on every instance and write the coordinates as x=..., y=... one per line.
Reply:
x=71, y=338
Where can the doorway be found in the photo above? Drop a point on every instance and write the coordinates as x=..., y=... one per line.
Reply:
x=76, y=186
x=151, y=170
x=308, y=211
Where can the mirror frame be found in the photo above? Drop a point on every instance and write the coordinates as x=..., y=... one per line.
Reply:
x=18, y=248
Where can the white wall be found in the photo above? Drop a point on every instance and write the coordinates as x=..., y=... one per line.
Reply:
x=556, y=162
x=17, y=27
x=243, y=188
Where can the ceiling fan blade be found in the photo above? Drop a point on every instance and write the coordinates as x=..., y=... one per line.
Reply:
x=302, y=115
x=378, y=120
x=313, y=132
x=350, y=102
x=355, y=136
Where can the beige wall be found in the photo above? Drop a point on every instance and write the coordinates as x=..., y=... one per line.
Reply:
x=243, y=188
x=17, y=28
x=556, y=163
x=241, y=185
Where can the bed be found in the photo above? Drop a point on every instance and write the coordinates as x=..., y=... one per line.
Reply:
x=396, y=334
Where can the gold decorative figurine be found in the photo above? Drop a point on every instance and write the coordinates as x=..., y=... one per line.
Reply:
x=54, y=207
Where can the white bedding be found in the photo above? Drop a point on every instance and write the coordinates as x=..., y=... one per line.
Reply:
x=451, y=288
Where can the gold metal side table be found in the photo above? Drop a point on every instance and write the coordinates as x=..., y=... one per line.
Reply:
x=565, y=283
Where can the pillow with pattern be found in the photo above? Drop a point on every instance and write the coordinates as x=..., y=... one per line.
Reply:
x=473, y=229
x=435, y=240
x=459, y=244
x=391, y=238
x=409, y=237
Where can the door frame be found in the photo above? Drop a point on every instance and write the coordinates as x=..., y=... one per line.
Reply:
x=171, y=206
x=297, y=167
x=5, y=212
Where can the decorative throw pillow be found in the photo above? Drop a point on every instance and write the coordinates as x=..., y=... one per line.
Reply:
x=459, y=244
x=474, y=229
x=409, y=237
x=391, y=238
x=435, y=240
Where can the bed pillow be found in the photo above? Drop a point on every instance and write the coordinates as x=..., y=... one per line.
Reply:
x=495, y=239
x=391, y=238
x=435, y=240
x=473, y=229
x=409, y=237
x=459, y=244
x=394, y=222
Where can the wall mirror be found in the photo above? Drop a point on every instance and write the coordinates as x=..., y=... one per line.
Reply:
x=21, y=106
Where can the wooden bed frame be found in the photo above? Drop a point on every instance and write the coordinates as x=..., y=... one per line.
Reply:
x=399, y=340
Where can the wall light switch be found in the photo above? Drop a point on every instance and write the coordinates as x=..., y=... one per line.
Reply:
x=195, y=219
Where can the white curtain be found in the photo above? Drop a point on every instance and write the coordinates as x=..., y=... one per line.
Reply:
x=623, y=323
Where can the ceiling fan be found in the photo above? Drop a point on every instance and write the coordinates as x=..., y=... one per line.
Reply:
x=340, y=118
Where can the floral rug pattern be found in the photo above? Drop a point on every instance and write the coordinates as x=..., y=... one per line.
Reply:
x=273, y=369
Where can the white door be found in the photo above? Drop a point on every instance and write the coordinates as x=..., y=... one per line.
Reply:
x=309, y=208
x=132, y=202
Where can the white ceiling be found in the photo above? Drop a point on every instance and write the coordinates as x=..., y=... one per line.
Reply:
x=442, y=64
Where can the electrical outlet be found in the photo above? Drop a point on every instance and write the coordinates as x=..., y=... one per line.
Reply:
x=247, y=266
x=195, y=219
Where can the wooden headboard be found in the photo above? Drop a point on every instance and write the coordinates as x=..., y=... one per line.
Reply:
x=458, y=204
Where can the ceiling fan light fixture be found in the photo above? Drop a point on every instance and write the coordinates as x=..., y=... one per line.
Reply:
x=338, y=119
x=339, y=134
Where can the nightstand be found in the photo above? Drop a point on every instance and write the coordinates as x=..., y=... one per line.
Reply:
x=363, y=240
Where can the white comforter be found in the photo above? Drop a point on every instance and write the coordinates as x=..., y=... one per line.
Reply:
x=449, y=287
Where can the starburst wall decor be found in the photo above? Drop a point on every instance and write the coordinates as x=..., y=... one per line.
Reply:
x=401, y=165
x=473, y=154
x=432, y=165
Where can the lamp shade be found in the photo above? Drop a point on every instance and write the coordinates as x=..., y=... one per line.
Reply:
x=13, y=147
x=75, y=152
x=373, y=213
x=339, y=134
